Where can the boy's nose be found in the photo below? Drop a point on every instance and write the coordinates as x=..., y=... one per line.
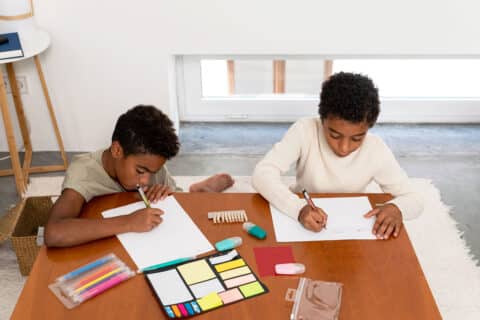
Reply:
x=144, y=180
x=344, y=147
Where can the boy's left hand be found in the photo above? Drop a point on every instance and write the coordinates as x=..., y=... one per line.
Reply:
x=157, y=192
x=389, y=220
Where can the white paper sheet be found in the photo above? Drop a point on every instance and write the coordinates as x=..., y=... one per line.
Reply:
x=345, y=221
x=176, y=237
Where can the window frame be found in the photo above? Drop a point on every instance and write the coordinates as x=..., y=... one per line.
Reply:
x=287, y=108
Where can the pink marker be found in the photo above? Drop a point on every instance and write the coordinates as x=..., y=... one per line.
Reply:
x=103, y=286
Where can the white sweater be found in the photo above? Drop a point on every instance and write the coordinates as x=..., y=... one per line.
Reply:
x=320, y=170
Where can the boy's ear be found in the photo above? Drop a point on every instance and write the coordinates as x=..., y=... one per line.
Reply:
x=116, y=150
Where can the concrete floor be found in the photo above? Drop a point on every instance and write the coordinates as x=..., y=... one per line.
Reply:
x=449, y=155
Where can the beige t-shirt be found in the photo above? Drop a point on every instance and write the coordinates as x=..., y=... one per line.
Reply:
x=87, y=176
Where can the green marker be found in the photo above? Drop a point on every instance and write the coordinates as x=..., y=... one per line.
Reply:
x=164, y=265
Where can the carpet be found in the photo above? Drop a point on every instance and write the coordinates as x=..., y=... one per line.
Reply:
x=450, y=270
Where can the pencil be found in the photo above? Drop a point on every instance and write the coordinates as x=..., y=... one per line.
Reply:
x=143, y=196
x=310, y=202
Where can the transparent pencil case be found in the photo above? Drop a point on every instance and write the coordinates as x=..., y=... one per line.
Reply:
x=90, y=280
x=315, y=299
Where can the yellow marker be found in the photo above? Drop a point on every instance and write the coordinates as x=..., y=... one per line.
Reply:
x=93, y=282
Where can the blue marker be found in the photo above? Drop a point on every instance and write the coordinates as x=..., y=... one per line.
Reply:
x=228, y=244
x=86, y=268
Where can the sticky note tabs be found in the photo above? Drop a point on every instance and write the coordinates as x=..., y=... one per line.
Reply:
x=196, y=271
x=235, y=272
x=176, y=311
x=251, y=289
x=210, y=301
x=230, y=265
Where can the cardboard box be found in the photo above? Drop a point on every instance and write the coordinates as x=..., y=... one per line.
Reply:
x=21, y=226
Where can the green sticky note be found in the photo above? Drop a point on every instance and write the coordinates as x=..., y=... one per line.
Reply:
x=251, y=289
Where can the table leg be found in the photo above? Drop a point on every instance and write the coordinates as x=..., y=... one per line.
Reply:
x=50, y=110
x=12, y=146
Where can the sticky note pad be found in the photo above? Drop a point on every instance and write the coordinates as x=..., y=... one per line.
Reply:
x=195, y=272
x=238, y=281
x=268, y=257
x=169, y=287
x=235, y=272
x=230, y=265
x=251, y=289
x=231, y=296
x=210, y=301
x=203, y=288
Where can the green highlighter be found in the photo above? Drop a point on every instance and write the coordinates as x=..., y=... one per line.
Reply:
x=255, y=230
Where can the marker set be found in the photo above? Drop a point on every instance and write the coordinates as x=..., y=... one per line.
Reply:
x=90, y=280
x=204, y=284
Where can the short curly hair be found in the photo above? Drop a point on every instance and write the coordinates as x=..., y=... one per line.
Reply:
x=349, y=96
x=146, y=130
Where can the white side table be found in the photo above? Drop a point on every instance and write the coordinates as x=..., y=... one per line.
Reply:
x=33, y=43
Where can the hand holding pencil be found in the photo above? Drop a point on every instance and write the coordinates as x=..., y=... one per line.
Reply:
x=312, y=217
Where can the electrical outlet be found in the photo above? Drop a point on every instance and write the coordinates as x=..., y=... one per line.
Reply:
x=21, y=83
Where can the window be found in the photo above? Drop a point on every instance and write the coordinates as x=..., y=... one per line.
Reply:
x=273, y=89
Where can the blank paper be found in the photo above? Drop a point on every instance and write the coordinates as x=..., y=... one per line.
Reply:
x=176, y=237
x=345, y=221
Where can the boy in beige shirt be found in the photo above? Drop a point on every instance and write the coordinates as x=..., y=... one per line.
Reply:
x=334, y=153
x=143, y=140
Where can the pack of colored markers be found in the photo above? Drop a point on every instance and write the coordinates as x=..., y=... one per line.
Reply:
x=90, y=280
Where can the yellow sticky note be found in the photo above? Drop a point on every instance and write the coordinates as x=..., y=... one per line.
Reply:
x=210, y=301
x=230, y=265
x=251, y=289
x=195, y=272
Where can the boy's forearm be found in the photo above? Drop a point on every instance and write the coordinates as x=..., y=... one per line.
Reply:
x=74, y=231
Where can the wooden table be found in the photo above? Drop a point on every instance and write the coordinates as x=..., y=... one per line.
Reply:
x=382, y=279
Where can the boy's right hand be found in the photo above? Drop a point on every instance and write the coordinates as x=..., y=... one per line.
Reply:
x=144, y=220
x=312, y=219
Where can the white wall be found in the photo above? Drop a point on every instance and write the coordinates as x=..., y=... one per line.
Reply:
x=109, y=55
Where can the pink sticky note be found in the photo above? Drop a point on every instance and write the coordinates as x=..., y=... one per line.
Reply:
x=268, y=257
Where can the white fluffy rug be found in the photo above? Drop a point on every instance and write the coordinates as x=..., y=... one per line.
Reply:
x=449, y=268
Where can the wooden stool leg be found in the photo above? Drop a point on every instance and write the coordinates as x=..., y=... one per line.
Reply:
x=50, y=110
x=22, y=121
x=12, y=147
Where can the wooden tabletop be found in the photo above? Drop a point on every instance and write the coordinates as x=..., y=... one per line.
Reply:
x=382, y=279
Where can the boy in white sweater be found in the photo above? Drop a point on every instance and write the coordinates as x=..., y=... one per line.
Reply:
x=335, y=154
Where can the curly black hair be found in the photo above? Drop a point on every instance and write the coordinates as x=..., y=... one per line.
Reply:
x=349, y=96
x=146, y=130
